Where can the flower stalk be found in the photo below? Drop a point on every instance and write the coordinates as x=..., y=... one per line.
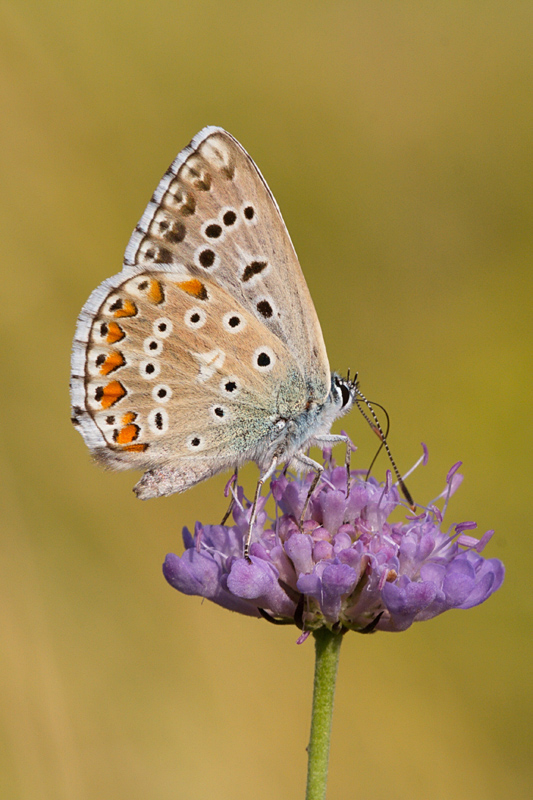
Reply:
x=327, y=649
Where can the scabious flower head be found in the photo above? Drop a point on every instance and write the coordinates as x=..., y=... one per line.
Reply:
x=347, y=567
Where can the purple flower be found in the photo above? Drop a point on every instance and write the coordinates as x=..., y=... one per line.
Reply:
x=347, y=567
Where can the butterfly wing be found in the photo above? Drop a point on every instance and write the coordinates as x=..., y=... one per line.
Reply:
x=175, y=375
x=202, y=393
x=214, y=214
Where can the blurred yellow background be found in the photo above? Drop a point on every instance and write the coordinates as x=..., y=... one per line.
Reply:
x=397, y=139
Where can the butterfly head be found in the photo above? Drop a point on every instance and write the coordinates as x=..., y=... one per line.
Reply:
x=343, y=393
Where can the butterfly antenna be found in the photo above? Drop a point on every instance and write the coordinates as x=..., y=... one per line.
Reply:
x=375, y=424
x=382, y=436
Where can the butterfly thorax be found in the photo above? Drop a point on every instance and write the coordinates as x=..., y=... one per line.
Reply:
x=296, y=431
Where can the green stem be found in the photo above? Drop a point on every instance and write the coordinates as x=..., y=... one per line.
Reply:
x=327, y=648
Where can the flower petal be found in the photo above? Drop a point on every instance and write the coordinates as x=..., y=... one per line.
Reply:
x=346, y=565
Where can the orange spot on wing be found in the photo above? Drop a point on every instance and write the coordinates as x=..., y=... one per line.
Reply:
x=130, y=416
x=194, y=287
x=113, y=361
x=155, y=292
x=128, y=309
x=135, y=448
x=114, y=333
x=111, y=394
x=127, y=434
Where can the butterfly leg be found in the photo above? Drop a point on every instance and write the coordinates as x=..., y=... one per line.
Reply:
x=333, y=438
x=262, y=478
x=319, y=469
x=232, y=482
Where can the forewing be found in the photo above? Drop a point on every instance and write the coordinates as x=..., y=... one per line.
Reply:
x=214, y=217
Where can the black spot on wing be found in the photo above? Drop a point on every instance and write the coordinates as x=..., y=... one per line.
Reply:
x=252, y=269
x=264, y=308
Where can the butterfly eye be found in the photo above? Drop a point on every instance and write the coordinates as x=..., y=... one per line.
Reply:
x=346, y=396
x=152, y=346
x=149, y=369
x=263, y=359
x=161, y=393
x=233, y=322
x=158, y=420
x=195, y=318
x=162, y=327
x=344, y=389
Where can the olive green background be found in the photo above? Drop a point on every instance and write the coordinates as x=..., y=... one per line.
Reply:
x=397, y=139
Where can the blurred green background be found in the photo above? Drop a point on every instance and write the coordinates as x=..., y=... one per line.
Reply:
x=397, y=139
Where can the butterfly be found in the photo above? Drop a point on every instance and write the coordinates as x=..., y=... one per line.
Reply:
x=206, y=351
